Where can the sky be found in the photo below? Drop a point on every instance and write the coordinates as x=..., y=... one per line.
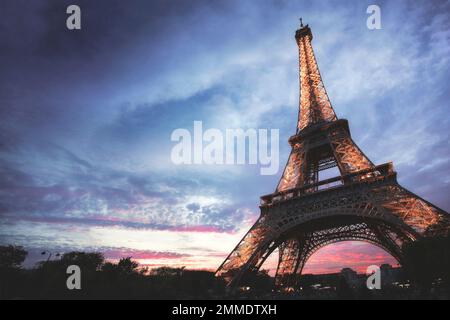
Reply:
x=86, y=117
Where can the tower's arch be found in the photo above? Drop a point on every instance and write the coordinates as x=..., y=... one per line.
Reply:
x=302, y=241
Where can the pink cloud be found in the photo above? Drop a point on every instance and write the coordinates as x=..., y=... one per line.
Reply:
x=115, y=254
x=201, y=229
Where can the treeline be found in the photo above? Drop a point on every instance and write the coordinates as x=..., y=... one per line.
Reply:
x=426, y=263
x=100, y=279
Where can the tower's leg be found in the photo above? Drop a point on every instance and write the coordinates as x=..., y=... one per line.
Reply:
x=348, y=155
x=293, y=173
x=422, y=216
x=289, y=254
x=389, y=242
x=249, y=254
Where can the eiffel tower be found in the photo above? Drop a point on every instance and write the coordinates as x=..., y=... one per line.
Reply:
x=363, y=203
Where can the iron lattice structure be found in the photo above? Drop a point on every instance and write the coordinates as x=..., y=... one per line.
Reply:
x=364, y=203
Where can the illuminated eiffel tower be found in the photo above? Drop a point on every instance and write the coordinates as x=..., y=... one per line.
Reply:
x=363, y=203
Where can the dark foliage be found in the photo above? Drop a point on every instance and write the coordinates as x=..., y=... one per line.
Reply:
x=101, y=279
x=12, y=257
x=427, y=261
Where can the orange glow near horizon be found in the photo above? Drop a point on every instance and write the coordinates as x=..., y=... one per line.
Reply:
x=357, y=255
x=330, y=259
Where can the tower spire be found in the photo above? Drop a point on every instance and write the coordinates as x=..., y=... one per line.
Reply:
x=315, y=106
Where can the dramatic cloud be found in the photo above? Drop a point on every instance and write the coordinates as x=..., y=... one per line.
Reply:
x=86, y=116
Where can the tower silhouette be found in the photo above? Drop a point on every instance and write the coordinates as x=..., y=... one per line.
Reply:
x=364, y=202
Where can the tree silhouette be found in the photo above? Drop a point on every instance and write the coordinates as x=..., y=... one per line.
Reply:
x=168, y=272
x=427, y=260
x=127, y=266
x=86, y=261
x=259, y=282
x=12, y=257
